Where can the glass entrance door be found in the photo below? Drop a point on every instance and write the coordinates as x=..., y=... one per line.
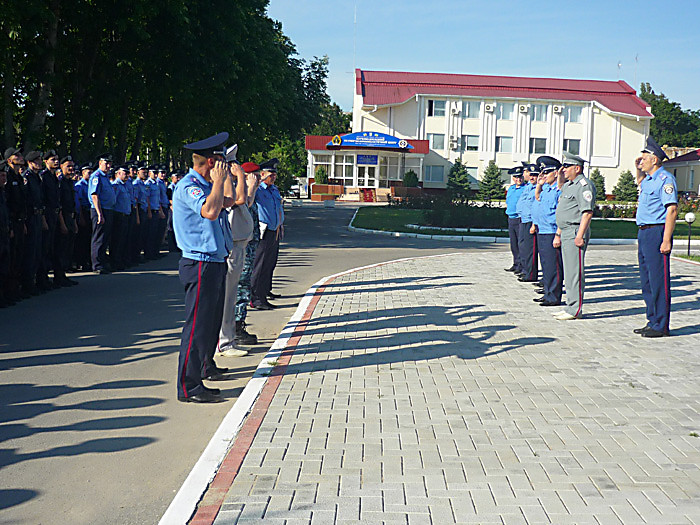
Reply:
x=367, y=176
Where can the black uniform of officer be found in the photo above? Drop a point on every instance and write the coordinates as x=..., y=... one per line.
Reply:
x=35, y=222
x=16, y=196
x=67, y=226
x=4, y=240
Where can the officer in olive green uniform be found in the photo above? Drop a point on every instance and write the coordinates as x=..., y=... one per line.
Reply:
x=574, y=213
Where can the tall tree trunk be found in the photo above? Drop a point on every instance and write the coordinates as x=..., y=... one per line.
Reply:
x=121, y=143
x=138, y=141
x=37, y=117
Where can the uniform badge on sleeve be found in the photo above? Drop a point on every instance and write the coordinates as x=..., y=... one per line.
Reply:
x=588, y=196
x=195, y=192
x=668, y=188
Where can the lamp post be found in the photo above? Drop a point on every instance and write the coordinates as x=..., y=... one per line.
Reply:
x=690, y=219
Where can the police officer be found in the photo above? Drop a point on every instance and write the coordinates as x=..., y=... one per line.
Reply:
x=164, y=207
x=16, y=194
x=547, y=195
x=573, y=216
x=4, y=240
x=52, y=211
x=203, y=234
x=656, y=218
x=67, y=228
x=170, y=233
x=133, y=216
x=82, y=203
x=144, y=209
x=271, y=215
x=102, y=200
x=120, y=227
x=527, y=240
x=513, y=195
x=152, y=248
x=36, y=223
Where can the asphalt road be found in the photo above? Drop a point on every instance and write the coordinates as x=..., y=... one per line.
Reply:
x=90, y=427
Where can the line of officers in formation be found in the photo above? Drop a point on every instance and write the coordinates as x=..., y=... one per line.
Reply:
x=550, y=206
x=57, y=217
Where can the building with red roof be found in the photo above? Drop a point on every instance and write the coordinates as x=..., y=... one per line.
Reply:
x=684, y=168
x=479, y=119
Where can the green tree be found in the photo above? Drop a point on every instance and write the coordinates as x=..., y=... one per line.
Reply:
x=671, y=124
x=626, y=187
x=321, y=175
x=491, y=186
x=458, y=180
x=599, y=182
x=410, y=179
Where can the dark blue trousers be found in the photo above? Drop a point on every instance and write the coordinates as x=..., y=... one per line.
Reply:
x=32, y=250
x=151, y=248
x=552, y=267
x=117, y=246
x=263, y=267
x=528, y=252
x=101, y=237
x=131, y=236
x=204, y=308
x=655, y=274
x=514, y=234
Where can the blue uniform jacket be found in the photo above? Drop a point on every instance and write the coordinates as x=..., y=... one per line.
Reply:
x=153, y=194
x=141, y=193
x=81, y=194
x=512, y=197
x=547, y=209
x=657, y=191
x=101, y=186
x=524, y=206
x=163, y=194
x=130, y=190
x=269, y=203
x=199, y=239
x=123, y=199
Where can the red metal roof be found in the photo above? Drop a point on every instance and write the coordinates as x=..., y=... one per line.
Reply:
x=386, y=88
x=318, y=142
x=692, y=156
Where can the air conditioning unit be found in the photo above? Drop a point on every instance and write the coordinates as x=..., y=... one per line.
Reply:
x=523, y=108
x=454, y=142
x=489, y=108
x=557, y=109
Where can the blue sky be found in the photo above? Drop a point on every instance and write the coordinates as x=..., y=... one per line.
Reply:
x=527, y=38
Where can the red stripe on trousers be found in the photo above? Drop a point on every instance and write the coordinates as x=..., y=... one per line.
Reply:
x=194, y=321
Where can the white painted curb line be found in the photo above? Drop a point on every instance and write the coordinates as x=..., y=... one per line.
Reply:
x=185, y=501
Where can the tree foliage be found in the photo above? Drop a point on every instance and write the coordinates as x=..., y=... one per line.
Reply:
x=458, y=180
x=491, y=186
x=626, y=187
x=599, y=182
x=141, y=78
x=410, y=179
x=671, y=124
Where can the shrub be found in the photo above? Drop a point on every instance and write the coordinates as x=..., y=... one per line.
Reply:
x=321, y=176
x=410, y=179
x=599, y=182
x=491, y=187
x=626, y=188
x=458, y=182
x=444, y=213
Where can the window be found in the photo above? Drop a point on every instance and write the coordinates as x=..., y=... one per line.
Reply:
x=343, y=169
x=472, y=108
x=538, y=112
x=691, y=179
x=572, y=146
x=538, y=146
x=323, y=161
x=470, y=142
x=436, y=108
x=434, y=173
x=436, y=140
x=472, y=172
x=504, y=144
x=505, y=176
x=572, y=113
x=504, y=111
x=389, y=168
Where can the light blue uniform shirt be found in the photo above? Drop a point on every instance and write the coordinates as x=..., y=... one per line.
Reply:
x=269, y=203
x=123, y=199
x=141, y=193
x=199, y=239
x=524, y=206
x=163, y=194
x=130, y=190
x=153, y=194
x=657, y=191
x=546, y=218
x=81, y=194
x=512, y=198
x=101, y=186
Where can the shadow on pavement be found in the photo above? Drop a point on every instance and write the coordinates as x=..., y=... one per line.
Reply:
x=11, y=497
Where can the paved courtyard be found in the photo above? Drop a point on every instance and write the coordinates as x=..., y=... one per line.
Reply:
x=435, y=391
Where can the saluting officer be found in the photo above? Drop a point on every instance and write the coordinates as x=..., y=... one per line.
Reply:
x=547, y=195
x=656, y=217
x=574, y=214
x=203, y=234
x=513, y=195
x=527, y=240
x=102, y=200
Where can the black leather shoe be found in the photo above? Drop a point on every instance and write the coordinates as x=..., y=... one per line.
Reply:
x=549, y=303
x=641, y=330
x=271, y=295
x=538, y=299
x=261, y=306
x=654, y=333
x=539, y=290
x=204, y=397
x=524, y=280
x=511, y=269
x=218, y=377
x=213, y=391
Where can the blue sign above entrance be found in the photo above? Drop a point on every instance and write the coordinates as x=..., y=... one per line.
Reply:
x=370, y=139
x=367, y=160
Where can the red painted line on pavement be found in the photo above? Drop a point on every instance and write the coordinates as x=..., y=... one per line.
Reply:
x=215, y=495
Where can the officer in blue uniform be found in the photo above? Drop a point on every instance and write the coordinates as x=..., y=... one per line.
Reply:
x=527, y=240
x=144, y=211
x=164, y=206
x=203, y=234
x=82, y=208
x=547, y=195
x=513, y=195
x=152, y=248
x=102, y=200
x=120, y=228
x=35, y=223
x=131, y=230
x=657, y=211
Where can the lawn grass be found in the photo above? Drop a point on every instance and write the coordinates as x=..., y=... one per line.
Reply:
x=695, y=258
x=389, y=218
